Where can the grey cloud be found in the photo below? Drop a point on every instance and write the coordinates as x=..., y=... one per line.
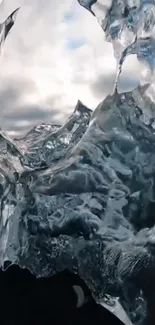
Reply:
x=12, y=91
x=8, y=98
x=102, y=85
x=53, y=103
x=105, y=84
x=14, y=110
x=32, y=114
x=37, y=23
x=79, y=79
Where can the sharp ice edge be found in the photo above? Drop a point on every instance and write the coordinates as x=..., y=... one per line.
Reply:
x=117, y=309
x=85, y=201
x=130, y=26
x=6, y=26
x=82, y=194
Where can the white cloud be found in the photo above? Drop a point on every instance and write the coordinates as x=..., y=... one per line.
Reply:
x=41, y=51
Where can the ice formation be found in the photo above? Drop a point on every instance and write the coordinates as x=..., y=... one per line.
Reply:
x=83, y=194
x=130, y=26
x=6, y=26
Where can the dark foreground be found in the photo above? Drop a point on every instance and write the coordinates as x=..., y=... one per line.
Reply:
x=61, y=299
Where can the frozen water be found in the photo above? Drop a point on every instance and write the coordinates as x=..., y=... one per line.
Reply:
x=83, y=194
x=7, y=25
x=85, y=201
x=130, y=26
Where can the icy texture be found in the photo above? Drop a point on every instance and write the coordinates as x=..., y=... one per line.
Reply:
x=92, y=204
x=130, y=26
x=116, y=309
x=7, y=25
x=82, y=196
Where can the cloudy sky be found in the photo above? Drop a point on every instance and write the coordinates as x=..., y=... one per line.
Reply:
x=54, y=55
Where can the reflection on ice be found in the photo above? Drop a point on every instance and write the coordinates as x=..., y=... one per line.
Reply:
x=83, y=194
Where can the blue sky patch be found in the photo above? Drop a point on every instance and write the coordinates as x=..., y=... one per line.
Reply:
x=73, y=44
x=69, y=17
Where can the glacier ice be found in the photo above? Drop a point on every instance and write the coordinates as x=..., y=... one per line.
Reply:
x=130, y=26
x=82, y=194
x=6, y=26
x=92, y=204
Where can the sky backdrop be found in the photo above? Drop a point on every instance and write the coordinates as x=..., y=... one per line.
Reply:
x=54, y=55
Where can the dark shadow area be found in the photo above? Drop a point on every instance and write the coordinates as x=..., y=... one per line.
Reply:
x=61, y=299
